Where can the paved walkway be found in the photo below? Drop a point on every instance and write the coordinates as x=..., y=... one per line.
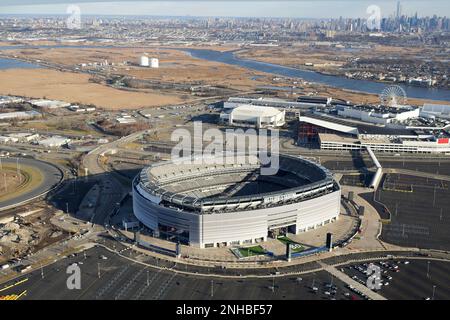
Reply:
x=370, y=223
x=345, y=278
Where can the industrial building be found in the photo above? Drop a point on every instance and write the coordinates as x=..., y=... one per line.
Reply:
x=24, y=136
x=54, y=142
x=378, y=114
x=247, y=115
x=145, y=61
x=9, y=99
x=214, y=205
x=77, y=109
x=263, y=102
x=332, y=133
x=435, y=110
x=49, y=104
x=19, y=115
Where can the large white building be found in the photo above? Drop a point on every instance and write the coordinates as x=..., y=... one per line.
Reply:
x=378, y=115
x=9, y=99
x=435, y=110
x=336, y=134
x=211, y=205
x=255, y=116
x=54, y=142
x=49, y=104
x=19, y=115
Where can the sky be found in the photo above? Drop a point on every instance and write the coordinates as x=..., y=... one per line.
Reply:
x=230, y=8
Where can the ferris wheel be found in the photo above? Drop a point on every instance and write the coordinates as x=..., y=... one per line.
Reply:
x=393, y=96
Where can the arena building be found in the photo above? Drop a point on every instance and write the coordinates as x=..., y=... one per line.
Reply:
x=246, y=115
x=215, y=205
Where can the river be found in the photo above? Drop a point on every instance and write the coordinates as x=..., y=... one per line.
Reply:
x=311, y=76
x=16, y=64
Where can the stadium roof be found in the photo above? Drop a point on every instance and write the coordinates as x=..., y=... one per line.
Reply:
x=255, y=111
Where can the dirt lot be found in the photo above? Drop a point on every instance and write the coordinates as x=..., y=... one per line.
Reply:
x=29, y=234
x=27, y=179
x=10, y=181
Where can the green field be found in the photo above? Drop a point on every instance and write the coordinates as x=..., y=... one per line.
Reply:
x=296, y=247
x=252, y=251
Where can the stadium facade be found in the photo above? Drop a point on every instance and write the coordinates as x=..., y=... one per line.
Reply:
x=232, y=203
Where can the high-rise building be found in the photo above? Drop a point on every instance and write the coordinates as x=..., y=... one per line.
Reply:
x=398, y=14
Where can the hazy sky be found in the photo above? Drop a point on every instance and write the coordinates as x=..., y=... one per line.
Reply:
x=255, y=8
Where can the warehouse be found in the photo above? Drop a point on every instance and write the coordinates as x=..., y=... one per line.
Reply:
x=19, y=115
x=54, y=142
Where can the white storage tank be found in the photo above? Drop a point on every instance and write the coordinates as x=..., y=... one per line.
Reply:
x=144, y=61
x=154, y=63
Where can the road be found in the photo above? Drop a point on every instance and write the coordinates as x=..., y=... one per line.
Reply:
x=112, y=190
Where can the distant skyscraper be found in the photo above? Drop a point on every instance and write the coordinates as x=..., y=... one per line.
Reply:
x=398, y=14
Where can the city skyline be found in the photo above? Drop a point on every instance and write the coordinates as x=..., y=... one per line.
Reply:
x=282, y=9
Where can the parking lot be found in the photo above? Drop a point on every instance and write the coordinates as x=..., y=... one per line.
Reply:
x=419, y=211
x=437, y=167
x=123, y=279
x=412, y=279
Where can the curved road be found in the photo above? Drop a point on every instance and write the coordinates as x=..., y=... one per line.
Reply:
x=112, y=190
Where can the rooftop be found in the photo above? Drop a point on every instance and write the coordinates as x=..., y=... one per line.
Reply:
x=256, y=111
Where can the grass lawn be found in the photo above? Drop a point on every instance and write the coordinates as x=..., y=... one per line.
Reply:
x=296, y=247
x=252, y=251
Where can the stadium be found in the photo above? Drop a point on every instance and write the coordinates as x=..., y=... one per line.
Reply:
x=232, y=203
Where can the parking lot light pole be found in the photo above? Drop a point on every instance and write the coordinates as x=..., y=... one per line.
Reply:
x=434, y=196
x=434, y=290
x=428, y=269
x=273, y=284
